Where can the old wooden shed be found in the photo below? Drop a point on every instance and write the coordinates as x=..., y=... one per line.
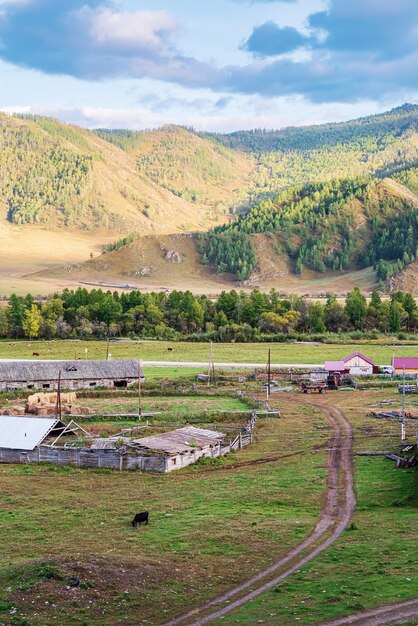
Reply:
x=44, y=375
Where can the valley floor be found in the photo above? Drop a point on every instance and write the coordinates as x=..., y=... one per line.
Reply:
x=212, y=526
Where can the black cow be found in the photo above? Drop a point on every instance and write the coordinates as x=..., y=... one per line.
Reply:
x=140, y=517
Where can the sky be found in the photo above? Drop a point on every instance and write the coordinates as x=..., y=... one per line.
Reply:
x=217, y=65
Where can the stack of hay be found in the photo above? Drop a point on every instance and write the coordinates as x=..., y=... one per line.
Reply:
x=13, y=410
x=44, y=404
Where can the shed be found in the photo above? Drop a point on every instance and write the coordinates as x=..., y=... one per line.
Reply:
x=27, y=433
x=74, y=374
x=410, y=364
x=360, y=365
x=182, y=446
x=334, y=367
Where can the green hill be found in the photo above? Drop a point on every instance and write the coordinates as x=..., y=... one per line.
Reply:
x=66, y=177
x=378, y=145
x=337, y=225
x=308, y=201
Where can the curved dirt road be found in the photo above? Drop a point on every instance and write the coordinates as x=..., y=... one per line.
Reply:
x=338, y=509
x=398, y=613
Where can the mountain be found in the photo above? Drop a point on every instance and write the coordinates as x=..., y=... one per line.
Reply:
x=65, y=177
x=316, y=238
x=306, y=203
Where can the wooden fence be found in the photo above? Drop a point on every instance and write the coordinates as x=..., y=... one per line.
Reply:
x=84, y=457
x=245, y=436
x=119, y=459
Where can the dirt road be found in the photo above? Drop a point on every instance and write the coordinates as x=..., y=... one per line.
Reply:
x=399, y=613
x=337, y=511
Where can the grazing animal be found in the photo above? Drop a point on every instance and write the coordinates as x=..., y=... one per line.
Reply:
x=35, y=353
x=140, y=517
x=170, y=349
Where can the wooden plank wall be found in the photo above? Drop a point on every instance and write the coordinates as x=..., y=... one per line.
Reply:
x=84, y=457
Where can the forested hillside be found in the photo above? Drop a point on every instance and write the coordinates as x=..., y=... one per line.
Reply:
x=314, y=199
x=65, y=177
x=336, y=225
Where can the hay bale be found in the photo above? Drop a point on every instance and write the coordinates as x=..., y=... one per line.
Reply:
x=13, y=410
x=45, y=409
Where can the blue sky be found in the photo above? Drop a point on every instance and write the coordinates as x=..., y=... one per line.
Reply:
x=219, y=65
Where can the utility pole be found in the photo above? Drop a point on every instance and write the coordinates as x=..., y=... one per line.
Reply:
x=210, y=364
x=213, y=364
x=107, y=348
x=139, y=391
x=58, y=410
x=403, y=425
x=268, y=375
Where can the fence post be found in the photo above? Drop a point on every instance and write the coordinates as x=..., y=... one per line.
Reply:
x=240, y=440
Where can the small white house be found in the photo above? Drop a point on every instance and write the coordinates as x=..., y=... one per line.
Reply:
x=360, y=365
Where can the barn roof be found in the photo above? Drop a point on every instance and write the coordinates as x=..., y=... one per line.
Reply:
x=335, y=366
x=22, y=371
x=405, y=362
x=181, y=440
x=26, y=433
x=361, y=356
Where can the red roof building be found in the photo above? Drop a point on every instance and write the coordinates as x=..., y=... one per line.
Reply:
x=360, y=365
x=410, y=364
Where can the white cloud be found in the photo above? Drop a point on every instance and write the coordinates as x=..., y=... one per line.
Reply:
x=130, y=33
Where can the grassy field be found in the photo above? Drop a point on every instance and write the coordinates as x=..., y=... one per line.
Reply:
x=223, y=413
x=372, y=564
x=283, y=353
x=210, y=525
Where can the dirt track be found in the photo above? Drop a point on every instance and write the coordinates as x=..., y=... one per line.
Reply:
x=337, y=511
x=392, y=614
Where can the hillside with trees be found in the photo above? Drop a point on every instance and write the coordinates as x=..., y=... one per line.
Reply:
x=336, y=225
x=311, y=201
x=64, y=177
x=378, y=145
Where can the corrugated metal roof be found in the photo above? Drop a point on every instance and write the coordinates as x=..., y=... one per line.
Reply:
x=31, y=371
x=335, y=366
x=25, y=433
x=405, y=362
x=181, y=440
x=360, y=356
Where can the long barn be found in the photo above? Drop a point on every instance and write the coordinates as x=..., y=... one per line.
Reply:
x=17, y=375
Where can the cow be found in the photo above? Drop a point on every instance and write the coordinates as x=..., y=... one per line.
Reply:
x=140, y=517
x=35, y=353
x=170, y=349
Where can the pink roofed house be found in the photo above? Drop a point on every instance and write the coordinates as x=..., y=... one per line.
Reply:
x=410, y=364
x=360, y=365
x=336, y=366
x=356, y=364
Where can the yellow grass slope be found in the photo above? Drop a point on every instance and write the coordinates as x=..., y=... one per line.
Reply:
x=174, y=181
x=173, y=262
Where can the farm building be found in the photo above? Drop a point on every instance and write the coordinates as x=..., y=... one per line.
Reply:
x=355, y=364
x=183, y=446
x=336, y=367
x=410, y=364
x=360, y=365
x=21, y=436
x=36, y=440
x=74, y=374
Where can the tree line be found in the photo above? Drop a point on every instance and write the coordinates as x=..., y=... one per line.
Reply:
x=233, y=316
